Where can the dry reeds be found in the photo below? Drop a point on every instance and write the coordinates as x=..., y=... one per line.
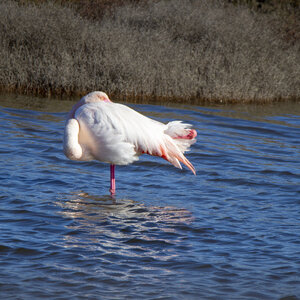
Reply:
x=182, y=48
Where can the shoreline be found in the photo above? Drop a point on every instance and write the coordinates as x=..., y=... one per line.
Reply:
x=146, y=99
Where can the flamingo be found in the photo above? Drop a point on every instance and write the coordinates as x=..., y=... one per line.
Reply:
x=99, y=129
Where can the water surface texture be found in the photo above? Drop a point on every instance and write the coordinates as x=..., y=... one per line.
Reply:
x=231, y=232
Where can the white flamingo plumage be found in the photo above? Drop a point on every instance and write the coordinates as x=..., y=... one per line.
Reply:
x=98, y=129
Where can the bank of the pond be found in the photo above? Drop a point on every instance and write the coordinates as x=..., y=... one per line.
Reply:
x=50, y=99
x=184, y=51
x=143, y=99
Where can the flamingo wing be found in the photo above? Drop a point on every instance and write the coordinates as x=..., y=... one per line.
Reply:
x=117, y=134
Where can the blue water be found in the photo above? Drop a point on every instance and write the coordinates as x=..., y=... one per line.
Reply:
x=231, y=232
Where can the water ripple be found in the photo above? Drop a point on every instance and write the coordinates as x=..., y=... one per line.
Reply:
x=231, y=232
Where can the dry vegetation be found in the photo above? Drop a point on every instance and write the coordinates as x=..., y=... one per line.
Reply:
x=184, y=49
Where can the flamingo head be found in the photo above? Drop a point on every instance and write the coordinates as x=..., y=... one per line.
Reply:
x=89, y=98
x=96, y=97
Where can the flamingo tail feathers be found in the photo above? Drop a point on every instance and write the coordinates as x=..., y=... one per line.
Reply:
x=178, y=139
x=172, y=153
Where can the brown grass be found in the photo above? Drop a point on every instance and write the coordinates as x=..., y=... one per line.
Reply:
x=181, y=49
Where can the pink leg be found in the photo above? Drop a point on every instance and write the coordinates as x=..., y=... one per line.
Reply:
x=112, y=180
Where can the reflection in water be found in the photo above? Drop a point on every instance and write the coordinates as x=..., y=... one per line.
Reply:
x=89, y=207
x=125, y=220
